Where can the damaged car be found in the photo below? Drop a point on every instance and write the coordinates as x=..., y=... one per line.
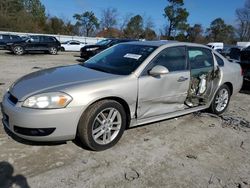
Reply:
x=127, y=85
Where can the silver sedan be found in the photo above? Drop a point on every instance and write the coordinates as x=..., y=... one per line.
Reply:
x=124, y=86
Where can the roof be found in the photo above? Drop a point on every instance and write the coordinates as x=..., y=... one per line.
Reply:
x=157, y=43
x=166, y=42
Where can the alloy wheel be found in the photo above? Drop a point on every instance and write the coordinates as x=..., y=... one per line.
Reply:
x=18, y=50
x=221, y=100
x=106, y=126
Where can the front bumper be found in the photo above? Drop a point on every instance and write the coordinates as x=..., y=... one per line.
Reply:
x=52, y=125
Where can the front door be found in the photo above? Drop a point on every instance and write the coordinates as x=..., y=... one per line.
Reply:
x=167, y=93
x=33, y=43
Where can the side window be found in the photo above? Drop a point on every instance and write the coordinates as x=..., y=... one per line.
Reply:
x=35, y=39
x=219, y=61
x=75, y=43
x=6, y=37
x=173, y=58
x=200, y=58
x=47, y=39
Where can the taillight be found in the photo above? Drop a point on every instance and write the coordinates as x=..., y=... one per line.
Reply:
x=242, y=71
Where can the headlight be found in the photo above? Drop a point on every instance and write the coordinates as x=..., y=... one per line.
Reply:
x=92, y=49
x=53, y=100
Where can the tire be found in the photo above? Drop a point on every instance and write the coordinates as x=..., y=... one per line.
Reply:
x=221, y=100
x=99, y=132
x=62, y=49
x=18, y=50
x=53, y=50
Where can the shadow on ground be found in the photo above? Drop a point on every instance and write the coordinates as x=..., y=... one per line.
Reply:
x=245, y=88
x=7, y=179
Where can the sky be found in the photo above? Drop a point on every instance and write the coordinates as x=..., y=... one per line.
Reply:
x=200, y=11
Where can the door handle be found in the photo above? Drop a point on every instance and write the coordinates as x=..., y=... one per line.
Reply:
x=182, y=79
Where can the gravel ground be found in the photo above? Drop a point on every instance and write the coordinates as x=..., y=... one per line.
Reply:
x=196, y=150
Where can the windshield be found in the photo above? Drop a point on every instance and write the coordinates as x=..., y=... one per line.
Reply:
x=103, y=42
x=122, y=59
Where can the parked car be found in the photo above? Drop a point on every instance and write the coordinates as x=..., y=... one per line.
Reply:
x=245, y=64
x=89, y=51
x=35, y=43
x=126, y=85
x=72, y=45
x=7, y=38
x=231, y=52
x=218, y=46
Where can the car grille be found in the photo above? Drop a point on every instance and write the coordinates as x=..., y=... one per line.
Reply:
x=12, y=98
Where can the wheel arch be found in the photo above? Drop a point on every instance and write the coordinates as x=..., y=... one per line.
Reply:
x=230, y=86
x=119, y=100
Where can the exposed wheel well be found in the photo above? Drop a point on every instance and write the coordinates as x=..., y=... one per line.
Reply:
x=230, y=86
x=123, y=103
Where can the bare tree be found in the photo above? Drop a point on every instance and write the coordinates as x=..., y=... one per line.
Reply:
x=243, y=18
x=109, y=18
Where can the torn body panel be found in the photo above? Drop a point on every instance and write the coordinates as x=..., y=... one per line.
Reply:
x=202, y=87
x=162, y=95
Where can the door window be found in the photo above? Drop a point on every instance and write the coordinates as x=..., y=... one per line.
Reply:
x=173, y=58
x=200, y=58
x=219, y=61
x=75, y=43
x=34, y=39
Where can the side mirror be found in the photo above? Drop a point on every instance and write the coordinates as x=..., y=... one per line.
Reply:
x=158, y=70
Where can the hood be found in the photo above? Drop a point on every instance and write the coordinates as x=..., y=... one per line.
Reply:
x=93, y=46
x=50, y=79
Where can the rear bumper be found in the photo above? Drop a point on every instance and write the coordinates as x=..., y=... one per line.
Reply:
x=40, y=125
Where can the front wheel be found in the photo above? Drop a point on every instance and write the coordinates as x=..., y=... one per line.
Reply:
x=221, y=100
x=53, y=50
x=102, y=125
x=18, y=50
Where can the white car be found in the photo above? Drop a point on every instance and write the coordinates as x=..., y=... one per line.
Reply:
x=72, y=45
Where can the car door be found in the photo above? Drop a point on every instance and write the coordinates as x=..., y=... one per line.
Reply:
x=166, y=93
x=204, y=76
x=2, y=41
x=74, y=46
x=33, y=43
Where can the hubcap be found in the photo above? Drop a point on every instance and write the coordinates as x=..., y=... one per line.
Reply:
x=18, y=50
x=53, y=51
x=221, y=100
x=106, y=126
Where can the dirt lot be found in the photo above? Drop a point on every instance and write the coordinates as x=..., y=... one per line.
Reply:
x=195, y=150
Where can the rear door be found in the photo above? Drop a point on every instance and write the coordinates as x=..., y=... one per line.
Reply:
x=204, y=76
x=167, y=93
x=74, y=46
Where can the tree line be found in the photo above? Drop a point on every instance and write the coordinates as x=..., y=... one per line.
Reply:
x=30, y=16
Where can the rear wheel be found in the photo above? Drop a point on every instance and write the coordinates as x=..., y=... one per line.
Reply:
x=221, y=100
x=102, y=125
x=53, y=50
x=18, y=50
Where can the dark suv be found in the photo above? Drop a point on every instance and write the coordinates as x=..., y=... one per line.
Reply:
x=245, y=64
x=35, y=43
x=6, y=38
x=90, y=50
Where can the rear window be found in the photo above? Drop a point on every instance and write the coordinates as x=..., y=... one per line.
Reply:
x=219, y=61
